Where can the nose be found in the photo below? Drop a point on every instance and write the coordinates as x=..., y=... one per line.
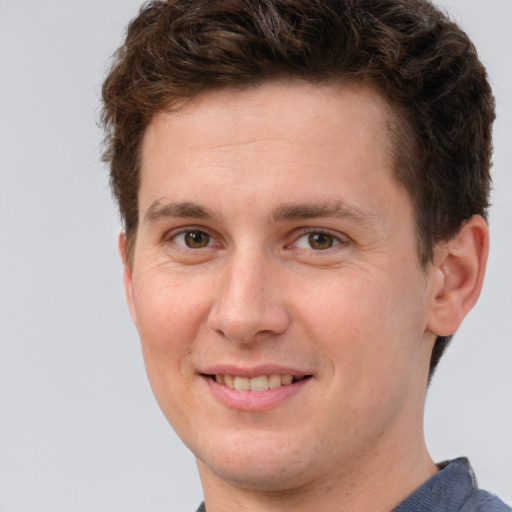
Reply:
x=248, y=305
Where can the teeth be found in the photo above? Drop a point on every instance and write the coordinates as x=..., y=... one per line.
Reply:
x=242, y=384
x=229, y=380
x=274, y=381
x=259, y=383
x=286, y=379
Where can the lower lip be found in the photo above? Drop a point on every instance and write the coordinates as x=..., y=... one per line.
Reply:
x=254, y=400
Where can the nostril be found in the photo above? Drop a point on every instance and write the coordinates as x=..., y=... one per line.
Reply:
x=243, y=324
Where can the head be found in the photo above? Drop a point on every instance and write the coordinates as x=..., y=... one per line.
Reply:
x=421, y=63
x=303, y=186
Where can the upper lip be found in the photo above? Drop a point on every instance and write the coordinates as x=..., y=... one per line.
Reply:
x=255, y=371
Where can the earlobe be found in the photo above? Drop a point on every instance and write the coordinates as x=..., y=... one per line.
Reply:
x=127, y=276
x=460, y=269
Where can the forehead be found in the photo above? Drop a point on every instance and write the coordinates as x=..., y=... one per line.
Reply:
x=274, y=124
x=272, y=146
x=305, y=98
x=297, y=100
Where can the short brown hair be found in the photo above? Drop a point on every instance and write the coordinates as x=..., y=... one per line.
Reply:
x=420, y=61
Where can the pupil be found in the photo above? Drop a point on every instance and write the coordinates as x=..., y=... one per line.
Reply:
x=320, y=241
x=195, y=239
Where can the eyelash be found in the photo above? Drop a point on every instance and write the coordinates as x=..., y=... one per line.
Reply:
x=337, y=239
x=183, y=232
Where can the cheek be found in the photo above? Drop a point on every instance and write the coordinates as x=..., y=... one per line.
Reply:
x=367, y=326
x=169, y=311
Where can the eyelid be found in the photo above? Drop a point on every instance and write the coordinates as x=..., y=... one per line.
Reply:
x=179, y=236
x=340, y=238
x=170, y=236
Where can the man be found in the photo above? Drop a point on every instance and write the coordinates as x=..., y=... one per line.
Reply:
x=304, y=187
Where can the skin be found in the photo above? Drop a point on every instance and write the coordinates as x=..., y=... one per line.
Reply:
x=359, y=316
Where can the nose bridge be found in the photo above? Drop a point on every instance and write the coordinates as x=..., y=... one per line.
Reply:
x=248, y=302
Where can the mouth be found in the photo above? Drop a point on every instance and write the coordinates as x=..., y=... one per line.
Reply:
x=257, y=383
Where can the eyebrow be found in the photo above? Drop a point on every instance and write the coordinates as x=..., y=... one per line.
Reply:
x=336, y=209
x=157, y=210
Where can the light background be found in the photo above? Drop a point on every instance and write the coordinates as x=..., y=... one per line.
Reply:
x=79, y=428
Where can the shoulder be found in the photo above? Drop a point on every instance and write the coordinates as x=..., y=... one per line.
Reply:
x=452, y=489
x=483, y=501
x=477, y=500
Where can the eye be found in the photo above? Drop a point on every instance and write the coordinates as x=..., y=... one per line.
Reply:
x=193, y=239
x=317, y=240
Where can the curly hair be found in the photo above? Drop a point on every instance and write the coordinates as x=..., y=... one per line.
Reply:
x=420, y=61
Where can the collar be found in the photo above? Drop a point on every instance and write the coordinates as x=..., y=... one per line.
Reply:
x=448, y=489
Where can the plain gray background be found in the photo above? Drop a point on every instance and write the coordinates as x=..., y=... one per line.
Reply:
x=79, y=428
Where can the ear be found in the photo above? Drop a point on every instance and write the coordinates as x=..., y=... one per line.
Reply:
x=127, y=277
x=459, y=267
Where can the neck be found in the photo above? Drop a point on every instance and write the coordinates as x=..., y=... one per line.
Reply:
x=376, y=482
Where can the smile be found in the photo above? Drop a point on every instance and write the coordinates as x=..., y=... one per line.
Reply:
x=259, y=392
x=258, y=383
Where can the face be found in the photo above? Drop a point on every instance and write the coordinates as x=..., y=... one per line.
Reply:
x=275, y=284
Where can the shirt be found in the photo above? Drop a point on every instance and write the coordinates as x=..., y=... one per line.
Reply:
x=452, y=489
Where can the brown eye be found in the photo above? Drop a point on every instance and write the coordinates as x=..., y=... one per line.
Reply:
x=321, y=241
x=196, y=239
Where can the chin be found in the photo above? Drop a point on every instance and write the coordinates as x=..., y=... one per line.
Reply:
x=263, y=461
